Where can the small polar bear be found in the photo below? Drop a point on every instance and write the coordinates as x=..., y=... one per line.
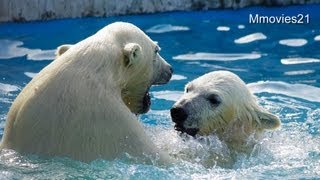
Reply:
x=220, y=103
x=83, y=104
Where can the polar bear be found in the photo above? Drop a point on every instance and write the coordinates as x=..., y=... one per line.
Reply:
x=220, y=103
x=83, y=104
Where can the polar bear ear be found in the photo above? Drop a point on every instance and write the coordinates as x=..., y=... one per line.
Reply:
x=268, y=120
x=62, y=49
x=132, y=52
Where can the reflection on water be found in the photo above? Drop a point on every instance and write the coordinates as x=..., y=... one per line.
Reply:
x=293, y=42
x=300, y=72
x=164, y=28
x=11, y=49
x=217, y=56
x=223, y=28
x=250, y=38
x=289, y=61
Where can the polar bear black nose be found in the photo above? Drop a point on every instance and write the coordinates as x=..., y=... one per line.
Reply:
x=171, y=70
x=178, y=115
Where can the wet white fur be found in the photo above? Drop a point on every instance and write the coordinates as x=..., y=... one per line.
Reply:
x=81, y=105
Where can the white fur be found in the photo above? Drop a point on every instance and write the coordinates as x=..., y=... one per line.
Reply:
x=237, y=117
x=81, y=104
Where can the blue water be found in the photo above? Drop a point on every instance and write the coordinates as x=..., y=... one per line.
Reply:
x=279, y=62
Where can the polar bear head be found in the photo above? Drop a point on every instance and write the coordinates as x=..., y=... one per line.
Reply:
x=219, y=102
x=132, y=61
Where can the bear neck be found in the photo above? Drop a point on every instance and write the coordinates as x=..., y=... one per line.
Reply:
x=240, y=136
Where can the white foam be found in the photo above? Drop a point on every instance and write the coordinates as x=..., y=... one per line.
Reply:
x=293, y=42
x=223, y=28
x=159, y=112
x=11, y=49
x=163, y=28
x=6, y=88
x=218, y=56
x=167, y=95
x=177, y=77
x=241, y=26
x=250, y=38
x=300, y=72
x=302, y=91
x=317, y=38
x=30, y=74
x=299, y=60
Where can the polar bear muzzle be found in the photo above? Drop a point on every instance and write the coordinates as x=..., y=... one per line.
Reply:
x=163, y=76
x=179, y=115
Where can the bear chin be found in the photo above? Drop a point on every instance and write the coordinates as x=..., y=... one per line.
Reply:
x=190, y=131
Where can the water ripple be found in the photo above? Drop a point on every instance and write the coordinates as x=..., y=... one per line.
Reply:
x=167, y=95
x=218, y=56
x=250, y=38
x=6, y=88
x=241, y=26
x=30, y=74
x=302, y=91
x=223, y=28
x=300, y=72
x=164, y=28
x=299, y=60
x=293, y=42
x=11, y=49
x=177, y=77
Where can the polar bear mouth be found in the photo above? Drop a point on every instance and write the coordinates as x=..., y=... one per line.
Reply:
x=146, y=102
x=190, y=131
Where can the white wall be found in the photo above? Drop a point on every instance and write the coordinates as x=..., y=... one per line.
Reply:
x=26, y=10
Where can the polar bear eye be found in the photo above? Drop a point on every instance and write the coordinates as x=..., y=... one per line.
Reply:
x=157, y=49
x=214, y=99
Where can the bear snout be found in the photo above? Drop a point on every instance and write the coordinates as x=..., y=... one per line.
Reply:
x=178, y=115
x=168, y=74
x=164, y=77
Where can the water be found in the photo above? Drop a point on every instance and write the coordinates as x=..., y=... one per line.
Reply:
x=280, y=63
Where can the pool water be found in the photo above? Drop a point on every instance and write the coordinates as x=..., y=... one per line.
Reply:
x=279, y=62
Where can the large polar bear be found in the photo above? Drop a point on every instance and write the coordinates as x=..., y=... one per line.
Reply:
x=220, y=103
x=83, y=104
